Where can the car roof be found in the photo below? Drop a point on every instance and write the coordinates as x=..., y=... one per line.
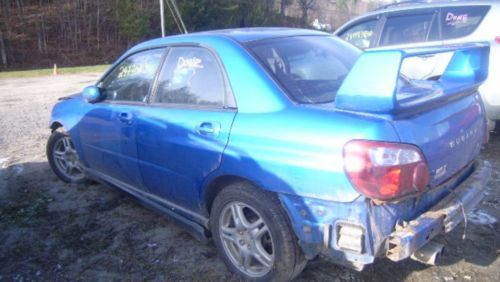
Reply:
x=417, y=4
x=245, y=34
x=260, y=33
x=241, y=35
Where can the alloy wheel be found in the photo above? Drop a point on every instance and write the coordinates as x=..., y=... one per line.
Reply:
x=246, y=239
x=66, y=159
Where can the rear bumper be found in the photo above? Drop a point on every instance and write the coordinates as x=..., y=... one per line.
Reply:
x=441, y=218
x=373, y=230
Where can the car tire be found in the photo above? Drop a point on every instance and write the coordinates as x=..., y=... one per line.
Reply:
x=63, y=158
x=253, y=234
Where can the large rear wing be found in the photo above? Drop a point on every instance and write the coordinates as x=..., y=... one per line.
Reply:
x=375, y=84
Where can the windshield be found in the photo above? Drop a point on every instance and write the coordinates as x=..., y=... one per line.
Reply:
x=310, y=68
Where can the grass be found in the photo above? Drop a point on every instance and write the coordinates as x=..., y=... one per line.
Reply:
x=26, y=211
x=46, y=72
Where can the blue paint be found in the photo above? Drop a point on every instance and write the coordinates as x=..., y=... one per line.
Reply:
x=294, y=150
x=372, y=84
x=91, y=94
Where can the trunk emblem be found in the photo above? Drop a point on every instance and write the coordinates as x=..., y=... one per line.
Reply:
x=463, y=137
x=440, y=172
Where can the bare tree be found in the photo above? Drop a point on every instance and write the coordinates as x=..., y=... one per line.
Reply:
x=283, y=5
x=305, y=6
x=2, y=50
x=346, y=7
x=38, y=33
x=269, y=5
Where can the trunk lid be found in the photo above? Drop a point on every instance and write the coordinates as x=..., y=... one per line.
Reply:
x=445, y=118
x=450, y=136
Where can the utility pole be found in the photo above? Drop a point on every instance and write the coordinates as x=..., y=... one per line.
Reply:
x=176, y=10
x=162, y=19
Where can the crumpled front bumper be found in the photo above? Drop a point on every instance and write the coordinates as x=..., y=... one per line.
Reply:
x=442, y=217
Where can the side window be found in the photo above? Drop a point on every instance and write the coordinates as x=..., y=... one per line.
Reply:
x=361, y=34
x=132, y=78
x=406, y=29
x=461, y=21
x=191, y=76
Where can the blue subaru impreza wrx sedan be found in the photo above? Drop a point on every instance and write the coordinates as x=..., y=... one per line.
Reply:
x=284, y=144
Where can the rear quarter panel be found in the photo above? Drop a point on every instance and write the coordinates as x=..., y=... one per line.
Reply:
x=299, y=150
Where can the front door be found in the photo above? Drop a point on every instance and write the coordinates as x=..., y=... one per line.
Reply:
x=108, y=131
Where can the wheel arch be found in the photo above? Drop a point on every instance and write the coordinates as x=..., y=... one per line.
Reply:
x=262, y=200
x=215, y=185
x=55, y=125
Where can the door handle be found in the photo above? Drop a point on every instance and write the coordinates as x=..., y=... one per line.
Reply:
x=208, y=128
x=125, y=118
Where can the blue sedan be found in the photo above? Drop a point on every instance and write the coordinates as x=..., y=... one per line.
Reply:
x=284, y=144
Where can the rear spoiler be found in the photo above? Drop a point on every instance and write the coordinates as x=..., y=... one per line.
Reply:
x=373, y=84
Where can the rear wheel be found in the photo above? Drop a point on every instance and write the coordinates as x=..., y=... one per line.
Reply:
x=253, y=234
x=63, y=158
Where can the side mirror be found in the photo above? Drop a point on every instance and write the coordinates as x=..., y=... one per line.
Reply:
x=91, y=94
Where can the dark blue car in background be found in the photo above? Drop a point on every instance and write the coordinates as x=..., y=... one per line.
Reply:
x=284, y=144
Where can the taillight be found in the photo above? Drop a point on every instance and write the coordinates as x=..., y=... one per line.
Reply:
x=497, y=39
x=384, y=171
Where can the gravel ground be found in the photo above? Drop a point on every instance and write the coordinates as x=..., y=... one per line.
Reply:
x=50, y=230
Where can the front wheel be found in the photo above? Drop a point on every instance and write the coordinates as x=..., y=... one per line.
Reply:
x=253, y=234
x=63, y=158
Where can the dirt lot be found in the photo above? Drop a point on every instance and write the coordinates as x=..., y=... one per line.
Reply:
x=53, y=231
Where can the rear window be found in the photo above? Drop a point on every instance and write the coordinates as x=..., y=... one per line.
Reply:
x=461, y=21
x=310, y=68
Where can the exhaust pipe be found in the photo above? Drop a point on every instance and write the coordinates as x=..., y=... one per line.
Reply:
x=429, y=254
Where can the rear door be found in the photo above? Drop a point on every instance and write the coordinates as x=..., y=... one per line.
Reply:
x=458, y=23
x=181, y=137
x=414, y=28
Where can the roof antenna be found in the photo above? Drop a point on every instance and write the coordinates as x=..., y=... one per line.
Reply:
x=172, y=6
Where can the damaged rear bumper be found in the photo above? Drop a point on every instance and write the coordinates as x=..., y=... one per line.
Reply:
x=354, y=233
x=443, y=217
